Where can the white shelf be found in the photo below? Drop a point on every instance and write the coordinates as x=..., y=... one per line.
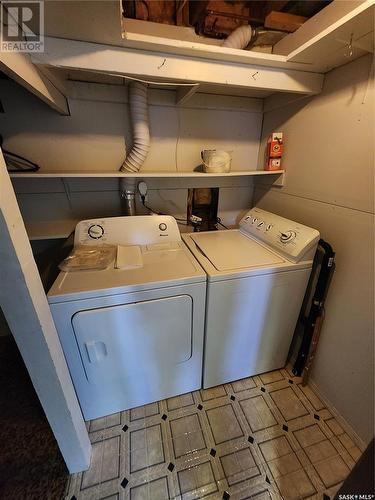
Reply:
x=50, y=230
x=142, y=174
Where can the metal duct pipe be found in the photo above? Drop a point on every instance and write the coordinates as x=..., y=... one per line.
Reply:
x=127, y=188
x=239, y=38
x=141, y=131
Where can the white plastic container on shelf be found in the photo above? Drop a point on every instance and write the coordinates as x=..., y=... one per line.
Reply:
x=216, y=161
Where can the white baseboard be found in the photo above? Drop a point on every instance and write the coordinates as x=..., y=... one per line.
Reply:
x=344, y=424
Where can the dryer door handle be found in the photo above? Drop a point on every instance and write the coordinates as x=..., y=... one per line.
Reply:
x=96, y=350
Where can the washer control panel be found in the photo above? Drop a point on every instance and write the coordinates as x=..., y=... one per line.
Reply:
x=290, y=238
x=132, y=230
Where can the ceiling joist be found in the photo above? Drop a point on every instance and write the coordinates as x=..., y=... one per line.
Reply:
x=20, y=68
x=163, y=67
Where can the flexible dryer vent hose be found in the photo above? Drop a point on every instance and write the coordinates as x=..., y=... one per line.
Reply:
x=239, y=38
x=141, y=131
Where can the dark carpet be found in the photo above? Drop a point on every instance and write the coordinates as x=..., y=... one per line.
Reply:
x=31, y=466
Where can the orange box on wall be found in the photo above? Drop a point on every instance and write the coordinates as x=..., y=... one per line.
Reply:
x=274, y=151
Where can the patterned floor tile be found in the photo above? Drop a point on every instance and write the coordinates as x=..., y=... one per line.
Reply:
x=198, y=481
x=312, y=397
x=243, y=385
x=263, y=438
x=353, y=450
x=180, y=401
x=224, y=424
x=100, y=424
x=187, y=435
x=288, y=403
x=239, y=466
x=295, y=485
x=154, y=490
x=144, y=411
x=309, y=435
x=257, y=413
x=332, y=470
x=213, y=393
x=270, y=377
x=104, y=463
x=335, y=426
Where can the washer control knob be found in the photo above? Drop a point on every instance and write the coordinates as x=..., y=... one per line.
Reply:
x=269, y=226
x=163, y=226
x=287, y=236
x=95, y=231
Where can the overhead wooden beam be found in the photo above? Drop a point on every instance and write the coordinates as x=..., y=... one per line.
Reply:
x=20, y=68
x=106, y=59
x=324, y=22
x=182, y=13
x=343, y=41
x=197, y=11
x=270, y=5
x=283, y=21
x=175, y=40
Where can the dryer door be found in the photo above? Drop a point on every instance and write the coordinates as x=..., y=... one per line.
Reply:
x=128, y=341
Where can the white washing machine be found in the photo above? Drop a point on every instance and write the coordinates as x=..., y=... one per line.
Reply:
x=257, y=277
x=134, y=335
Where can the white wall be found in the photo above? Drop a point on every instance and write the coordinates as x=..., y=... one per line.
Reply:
x=76, y=199
x=329, y=159
x=27, y=313
x=94, y=137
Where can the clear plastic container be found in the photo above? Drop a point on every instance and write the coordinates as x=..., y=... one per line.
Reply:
x=89, y=258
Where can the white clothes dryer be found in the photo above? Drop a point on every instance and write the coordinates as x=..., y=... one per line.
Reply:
x=257, y=277
x=132, y=336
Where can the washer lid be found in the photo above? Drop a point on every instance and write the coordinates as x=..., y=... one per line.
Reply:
x=232, y=250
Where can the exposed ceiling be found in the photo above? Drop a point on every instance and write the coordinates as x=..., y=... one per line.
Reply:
x=218, y=18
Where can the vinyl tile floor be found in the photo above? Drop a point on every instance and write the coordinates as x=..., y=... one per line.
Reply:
x=264, y=437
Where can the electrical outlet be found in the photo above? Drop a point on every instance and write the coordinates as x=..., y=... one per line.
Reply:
x=142, y=191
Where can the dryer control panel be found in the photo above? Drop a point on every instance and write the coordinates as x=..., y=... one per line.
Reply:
x=129, y=230
x=287, y=237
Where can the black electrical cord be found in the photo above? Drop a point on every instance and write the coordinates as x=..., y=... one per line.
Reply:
x=184, y=221
x=143, y=199
x=218, y=221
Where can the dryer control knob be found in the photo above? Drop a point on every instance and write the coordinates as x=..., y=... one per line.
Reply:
x=95, y=231
x=287, y=236
x=163, y=226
